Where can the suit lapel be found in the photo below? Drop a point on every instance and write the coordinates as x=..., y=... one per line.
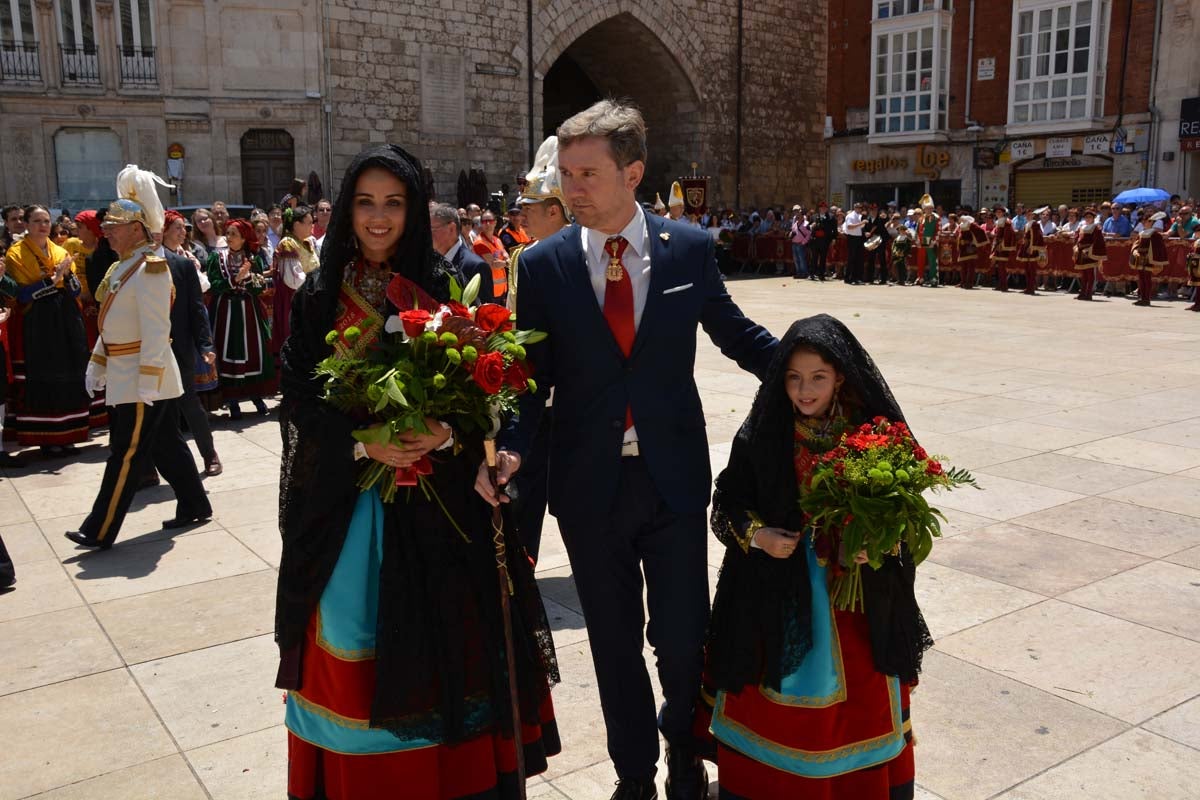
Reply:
x=579, y=284
x=660, y=255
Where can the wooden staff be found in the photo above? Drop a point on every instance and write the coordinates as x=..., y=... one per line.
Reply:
x=506, y=592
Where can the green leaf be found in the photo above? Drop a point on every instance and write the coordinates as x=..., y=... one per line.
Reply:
x=393, y=392
x=471, y=293
x=456, y=291
x=379, y=435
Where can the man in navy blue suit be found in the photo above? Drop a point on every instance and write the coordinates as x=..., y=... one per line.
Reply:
x=447, y=240
x=620, y=294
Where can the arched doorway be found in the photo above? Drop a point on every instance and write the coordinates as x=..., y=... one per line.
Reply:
x=624, y=59
x=268, y=166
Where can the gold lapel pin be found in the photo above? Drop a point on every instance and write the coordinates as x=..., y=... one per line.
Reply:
x=666, y=237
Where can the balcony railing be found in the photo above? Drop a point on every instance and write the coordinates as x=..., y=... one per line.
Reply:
x=19, y=63
x=138, y=66
x=80, y=66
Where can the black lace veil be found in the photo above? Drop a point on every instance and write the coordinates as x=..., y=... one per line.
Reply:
x=761, y=619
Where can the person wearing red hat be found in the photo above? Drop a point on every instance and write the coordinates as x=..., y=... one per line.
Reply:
x=244, y=361
x=824, y=230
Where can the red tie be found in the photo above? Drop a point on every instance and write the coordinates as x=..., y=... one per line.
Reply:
x=618, y=303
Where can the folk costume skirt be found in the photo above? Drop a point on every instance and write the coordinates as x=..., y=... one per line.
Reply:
x=837, y=728
x=241, y=337
x=49, y=357
x=333, y=753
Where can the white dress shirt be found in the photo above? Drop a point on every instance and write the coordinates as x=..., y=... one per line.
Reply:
x=453, y=251
x=637, y=263
x=853, y=224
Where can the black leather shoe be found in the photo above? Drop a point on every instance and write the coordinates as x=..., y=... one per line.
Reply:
x=83, y=540
x=8, y=574
x=636, y=790
x=686, y=777
x=183, y=519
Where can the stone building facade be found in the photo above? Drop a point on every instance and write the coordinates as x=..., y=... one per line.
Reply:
x=87, y=86
x=436, y=78
x=258, y=93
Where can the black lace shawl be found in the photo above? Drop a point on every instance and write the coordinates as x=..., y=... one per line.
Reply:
x=761, y=625
x=439, y=646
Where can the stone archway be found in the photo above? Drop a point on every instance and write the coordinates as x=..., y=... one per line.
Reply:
x=644, y=71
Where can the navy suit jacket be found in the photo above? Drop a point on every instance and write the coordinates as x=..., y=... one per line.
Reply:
x=189, y=321
x=468, y=264
x=594, y=382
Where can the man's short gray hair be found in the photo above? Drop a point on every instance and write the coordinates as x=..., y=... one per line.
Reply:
x=447, y=214
x=621, y=124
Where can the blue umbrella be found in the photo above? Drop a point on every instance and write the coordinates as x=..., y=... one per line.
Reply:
x=1142, y=195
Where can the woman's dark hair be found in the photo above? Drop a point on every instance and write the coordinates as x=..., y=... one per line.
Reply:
x=414, y=257
x=293, y=215
x=59, y=227
x=297, y=187
x=35, y=207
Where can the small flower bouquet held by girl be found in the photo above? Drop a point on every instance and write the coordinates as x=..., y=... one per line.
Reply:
x=866, y=495
x=433, y=361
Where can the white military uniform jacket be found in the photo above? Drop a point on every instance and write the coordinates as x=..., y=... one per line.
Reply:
x=134, y=348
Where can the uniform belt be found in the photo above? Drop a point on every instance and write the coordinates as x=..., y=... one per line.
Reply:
x=123, y=349
x=630, y=450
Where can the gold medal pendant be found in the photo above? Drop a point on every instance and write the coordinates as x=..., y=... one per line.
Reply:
x=615, y=271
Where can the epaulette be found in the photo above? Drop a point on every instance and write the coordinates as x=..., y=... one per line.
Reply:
x=156, y=265
x=515, y=254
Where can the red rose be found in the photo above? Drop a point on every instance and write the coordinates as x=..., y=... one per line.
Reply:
x=919, y=453
x=880, y=420
x=489, y=372
x=493, y=318
x=933, y=468
x=516, y=375
x=414, y=321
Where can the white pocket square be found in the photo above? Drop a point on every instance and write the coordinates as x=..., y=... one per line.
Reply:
x=681, y=288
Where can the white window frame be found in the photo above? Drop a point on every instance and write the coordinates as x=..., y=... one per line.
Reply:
x=940, y=23
x=19, y=34
x=1094, y=76
x=894, y=9
x=134, y=7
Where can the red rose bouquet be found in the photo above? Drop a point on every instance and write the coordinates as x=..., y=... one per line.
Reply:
x=866, y=494
x=451, y=362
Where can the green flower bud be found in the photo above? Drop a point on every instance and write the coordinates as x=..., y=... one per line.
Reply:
x=469, y=354
x=374, y=393
x=352, y=334
x=884, y=466
x=439, y=380
x=517, y=352
x=531, y=384
x=509, y=336
x=331, y=338
x=901, y=475
x=874, y=474
x=448, y=339
x=429, y=336
x=453, y=356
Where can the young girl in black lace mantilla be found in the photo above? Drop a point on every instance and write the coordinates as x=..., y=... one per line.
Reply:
x=806, y=701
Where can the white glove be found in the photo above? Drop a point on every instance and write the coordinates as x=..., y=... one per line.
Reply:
x=146, y=396
x=94, y=380
x=393, y=324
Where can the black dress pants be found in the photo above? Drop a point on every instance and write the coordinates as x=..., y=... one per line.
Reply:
x=137, y=433
x=609, y=553
x=197, y=422
x=854, y=261
x=816, y=260
x=528, y=512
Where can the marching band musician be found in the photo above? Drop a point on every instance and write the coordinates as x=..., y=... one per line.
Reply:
x=970, y=238
x=1030, y=251
x=133, y=360
x=545, y=215
x=1148, y=257
x=1090, y=252
x=1003, y=246
x=928, y=233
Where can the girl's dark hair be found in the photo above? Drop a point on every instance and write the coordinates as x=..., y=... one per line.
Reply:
x=293, y=215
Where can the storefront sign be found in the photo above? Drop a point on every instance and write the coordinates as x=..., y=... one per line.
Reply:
x=873, y=165
x=1021, y=149
x=1096, y=144
x=1058, y=147
x=1127, y=173
x=1189, y=123
x=986, y=70
x=931, y=162
x=1061, y=163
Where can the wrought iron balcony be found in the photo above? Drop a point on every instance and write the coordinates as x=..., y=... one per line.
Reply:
x=138, y=66
x=80, y=66
x=19, y=63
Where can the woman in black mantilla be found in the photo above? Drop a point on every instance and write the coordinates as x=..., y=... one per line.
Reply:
x=807, y=701
x=388, y=623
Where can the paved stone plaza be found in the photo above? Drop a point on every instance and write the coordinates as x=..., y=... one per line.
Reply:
x=1065, y=598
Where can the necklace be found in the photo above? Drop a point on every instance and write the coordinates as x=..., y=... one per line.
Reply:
x=371, y=281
